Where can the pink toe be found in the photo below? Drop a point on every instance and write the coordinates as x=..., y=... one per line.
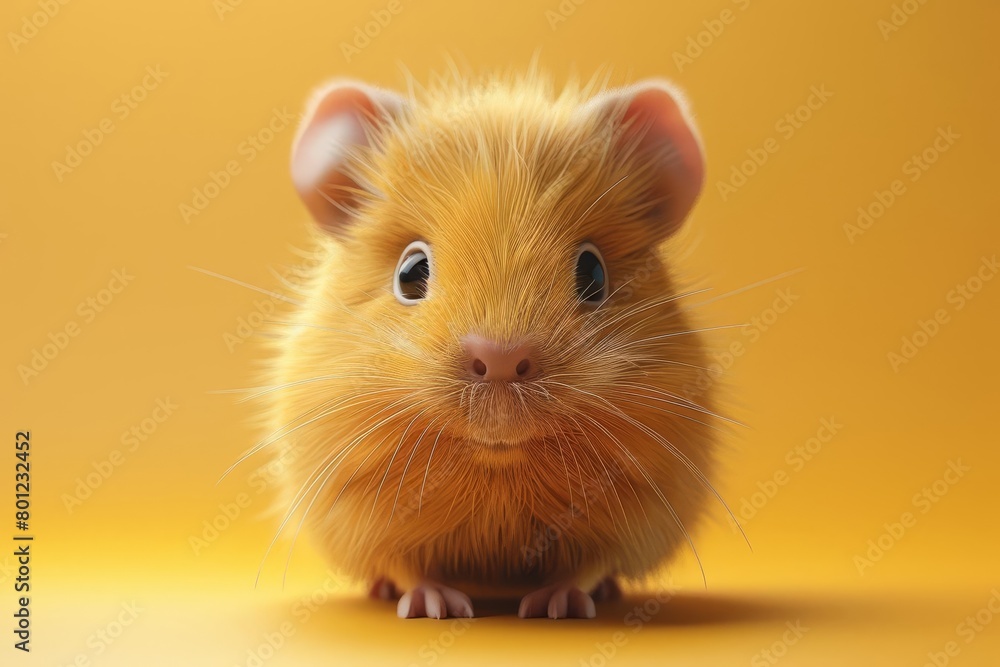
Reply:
x=581, y=605
x=403, y=608
x=434, y=604
x=457, y=603
x=566, y=601
x=558, y=604
x=434, y=601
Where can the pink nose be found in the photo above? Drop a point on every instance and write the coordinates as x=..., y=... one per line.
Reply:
x=489, y=361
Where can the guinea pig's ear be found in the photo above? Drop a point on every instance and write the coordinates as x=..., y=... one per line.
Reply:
x=339, y=121
x=656, y=126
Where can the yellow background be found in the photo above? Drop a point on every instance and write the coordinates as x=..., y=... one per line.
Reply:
x=163, y=336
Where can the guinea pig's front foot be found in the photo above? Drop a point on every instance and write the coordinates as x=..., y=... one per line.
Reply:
x=383, y=589
x=607, y=590
x=557, y=601
x=432, y=600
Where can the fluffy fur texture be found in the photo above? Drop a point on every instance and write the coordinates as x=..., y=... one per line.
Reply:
x=406, y=468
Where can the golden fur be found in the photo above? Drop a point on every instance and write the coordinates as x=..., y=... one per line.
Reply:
x=408, y=470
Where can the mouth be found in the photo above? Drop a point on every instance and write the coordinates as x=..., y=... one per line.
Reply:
x=496, y=416
x=502, y=430
x=498, y=445
x=497, y=453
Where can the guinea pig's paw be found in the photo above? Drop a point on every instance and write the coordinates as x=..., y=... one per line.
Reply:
x=607, y=590
x=433, y=600
x=557, y=601
x=383, y=589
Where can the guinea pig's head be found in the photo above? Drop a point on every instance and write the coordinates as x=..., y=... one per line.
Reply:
x=493, y=278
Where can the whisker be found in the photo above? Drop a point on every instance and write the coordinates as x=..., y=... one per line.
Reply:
x=420, y=500
x=751, y=286
x=601, y=485
x=591, y=207
x=334, y=459
x=330, y=466
x=583, y=485
x=569, y=485
x=402, y=476
x=680, y=402
x=681, y=456
x=666, y=411
x=632, y=310
x=276, y=435
x=235, y=281
x=261, y=391
x=388, y=466
x=687, y=332
x=320, y=327
x=659, y=493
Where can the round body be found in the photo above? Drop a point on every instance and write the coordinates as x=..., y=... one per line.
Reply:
x=469, y=409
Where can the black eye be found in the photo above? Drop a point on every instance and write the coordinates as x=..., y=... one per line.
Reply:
x=591, y=275
x=413, y=273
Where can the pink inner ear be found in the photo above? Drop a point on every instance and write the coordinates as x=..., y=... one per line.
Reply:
x=335, y=127
x=669, y=137
x=322, y=141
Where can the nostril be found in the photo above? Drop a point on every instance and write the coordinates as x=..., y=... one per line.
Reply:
x=487, y=360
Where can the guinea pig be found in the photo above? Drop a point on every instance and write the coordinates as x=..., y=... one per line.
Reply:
x=479, y=391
